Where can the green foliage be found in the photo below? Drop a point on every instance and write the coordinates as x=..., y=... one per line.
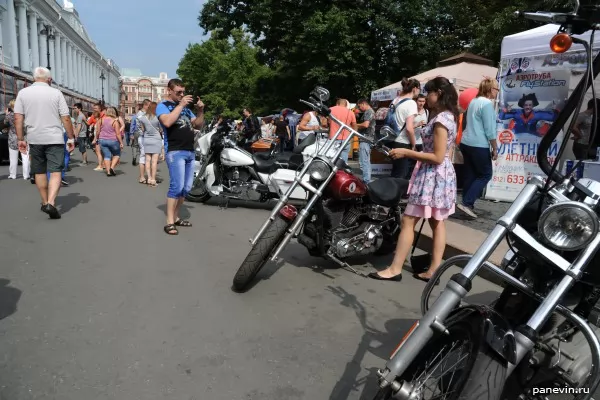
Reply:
x=350, y=47
x=224, y=72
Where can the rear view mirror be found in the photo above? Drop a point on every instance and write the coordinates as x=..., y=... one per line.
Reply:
x=321, y=93
x=387, y=133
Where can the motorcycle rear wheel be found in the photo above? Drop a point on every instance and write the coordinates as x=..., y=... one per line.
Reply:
x=259, y=254
x=199, y=192
x=482, y=376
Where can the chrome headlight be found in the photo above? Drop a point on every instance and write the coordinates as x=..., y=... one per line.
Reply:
x=568, y=226
x=319, y=170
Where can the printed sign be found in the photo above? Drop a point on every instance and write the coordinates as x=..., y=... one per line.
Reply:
x=529, y=104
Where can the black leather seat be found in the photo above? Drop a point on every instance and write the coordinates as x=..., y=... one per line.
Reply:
x=264, y=163
x=387, y=192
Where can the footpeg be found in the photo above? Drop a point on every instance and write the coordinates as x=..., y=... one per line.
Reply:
x=439, y=327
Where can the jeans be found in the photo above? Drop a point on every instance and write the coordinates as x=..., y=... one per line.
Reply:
x=346, y=152
x=400, y=167
x=181, y=173
x=477, y=172
x=364, y=159
x=128, y=138
x=110, y=149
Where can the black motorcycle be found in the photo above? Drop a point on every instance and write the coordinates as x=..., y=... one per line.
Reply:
x=540, y=337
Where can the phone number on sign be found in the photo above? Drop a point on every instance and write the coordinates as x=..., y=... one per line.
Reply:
x=516, y=179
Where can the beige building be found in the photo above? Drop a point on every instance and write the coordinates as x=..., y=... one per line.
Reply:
x=136, y=87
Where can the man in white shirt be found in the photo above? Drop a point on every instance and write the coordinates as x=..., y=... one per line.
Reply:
x=43, y=110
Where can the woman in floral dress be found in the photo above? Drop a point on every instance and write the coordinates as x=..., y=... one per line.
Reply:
x=432, y=190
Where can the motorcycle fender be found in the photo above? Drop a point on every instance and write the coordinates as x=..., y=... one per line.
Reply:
x=209, y=172
x=496, y=331
x=282, y=179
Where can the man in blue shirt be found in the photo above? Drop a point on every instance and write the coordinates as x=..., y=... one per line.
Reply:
x=178, y=123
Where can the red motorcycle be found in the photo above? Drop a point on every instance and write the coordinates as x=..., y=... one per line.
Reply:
x=343, y=217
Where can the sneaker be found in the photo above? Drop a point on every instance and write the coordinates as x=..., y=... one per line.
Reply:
x=98, y=169
x=64, y=183
x=467, y=210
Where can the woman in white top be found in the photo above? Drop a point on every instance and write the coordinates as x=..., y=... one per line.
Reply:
x=419, y=123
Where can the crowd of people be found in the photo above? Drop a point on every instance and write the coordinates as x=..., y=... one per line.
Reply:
x=45, y=134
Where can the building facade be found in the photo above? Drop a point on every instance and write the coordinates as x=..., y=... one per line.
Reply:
x=136, y=87
x=45, y=33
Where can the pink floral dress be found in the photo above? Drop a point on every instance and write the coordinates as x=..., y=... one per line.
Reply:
x=432, y=190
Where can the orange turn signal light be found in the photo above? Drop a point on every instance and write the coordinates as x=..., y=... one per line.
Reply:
x=561, y=42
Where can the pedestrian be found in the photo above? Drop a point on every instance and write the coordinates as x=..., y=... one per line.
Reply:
x=110, y=140
x=81, y=131
x=42, y=111
x=98, y=114
x=153, y=141
x=404, y=111
x=309, y=125
x=139, y=133
x=366, y=128
x=432, y=189
x=582, y=132
x=345, y=115
x=419, y=123
x=478, y=145
x=282, y=131
x=13, y=148
x=178, y=123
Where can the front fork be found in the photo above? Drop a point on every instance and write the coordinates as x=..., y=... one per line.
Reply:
x=460, y=284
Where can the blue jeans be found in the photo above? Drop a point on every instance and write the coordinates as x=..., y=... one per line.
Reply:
x=110, y=149
x=346, y=152
x=477, y=172
x=181, y=173
x=364, y=159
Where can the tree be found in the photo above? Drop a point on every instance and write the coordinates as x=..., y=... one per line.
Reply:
x=224, y=72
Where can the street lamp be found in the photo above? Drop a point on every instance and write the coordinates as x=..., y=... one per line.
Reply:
x=49, y=33
x=102, y=78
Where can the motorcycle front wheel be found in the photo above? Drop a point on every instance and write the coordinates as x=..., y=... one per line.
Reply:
x=458, y=366
x=259, y=254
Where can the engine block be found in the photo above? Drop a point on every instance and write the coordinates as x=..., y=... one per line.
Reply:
x=367, y=239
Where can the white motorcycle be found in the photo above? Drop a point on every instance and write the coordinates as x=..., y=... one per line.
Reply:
x=223, y=169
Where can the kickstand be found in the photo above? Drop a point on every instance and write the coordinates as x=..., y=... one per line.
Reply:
x=225, y=204
x=347, y=266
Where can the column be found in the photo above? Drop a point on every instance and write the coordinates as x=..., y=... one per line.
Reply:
x=43, y=47
x=70, y=62
x=33, y=40
x=76, y=70
x=12, y=32
x=52, y=59
x=2, y=21
x=87, y=77
x=23, y=37
x=59, y=73
x=80, y=72
x=63, y=61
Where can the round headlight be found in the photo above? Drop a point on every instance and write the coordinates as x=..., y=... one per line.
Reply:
x=568, y=226
x=319, y=170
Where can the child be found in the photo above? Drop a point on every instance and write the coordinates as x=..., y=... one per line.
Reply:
x=432, y=190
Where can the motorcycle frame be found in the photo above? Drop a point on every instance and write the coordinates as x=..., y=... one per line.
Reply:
x=317, y=192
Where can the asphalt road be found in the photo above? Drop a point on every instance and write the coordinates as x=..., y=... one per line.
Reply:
x=102, y=304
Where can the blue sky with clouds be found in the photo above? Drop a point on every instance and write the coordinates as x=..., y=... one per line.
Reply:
x=150, y=35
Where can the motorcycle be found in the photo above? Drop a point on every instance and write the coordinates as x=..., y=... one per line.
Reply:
x=223, y=169
x=540, y=336
x=343, y=218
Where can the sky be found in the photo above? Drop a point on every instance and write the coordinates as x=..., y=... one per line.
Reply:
x=149, y=35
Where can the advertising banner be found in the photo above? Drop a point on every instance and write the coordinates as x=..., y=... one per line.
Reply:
x=529, y=104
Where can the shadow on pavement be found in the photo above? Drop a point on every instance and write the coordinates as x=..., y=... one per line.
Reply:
x=73, y=179
x=70, y=201
x=380, y=344
x=9, y=297
x=233, y=203
x=184, y=211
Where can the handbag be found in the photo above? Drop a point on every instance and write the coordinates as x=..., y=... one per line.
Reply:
x=419, y=264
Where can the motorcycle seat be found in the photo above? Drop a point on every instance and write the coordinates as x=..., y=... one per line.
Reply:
x=264, y=163
x=387, y=192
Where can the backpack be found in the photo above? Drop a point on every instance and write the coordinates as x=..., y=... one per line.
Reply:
x=390, y=119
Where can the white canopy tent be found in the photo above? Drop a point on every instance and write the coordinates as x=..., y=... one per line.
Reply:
x=463, y=75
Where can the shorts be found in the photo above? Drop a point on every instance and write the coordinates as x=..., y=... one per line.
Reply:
x=110, y=149
x=47, y=158
x=83, y=142
x=181, y=173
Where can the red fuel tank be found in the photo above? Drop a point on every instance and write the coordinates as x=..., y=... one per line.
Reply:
x=345, y=186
